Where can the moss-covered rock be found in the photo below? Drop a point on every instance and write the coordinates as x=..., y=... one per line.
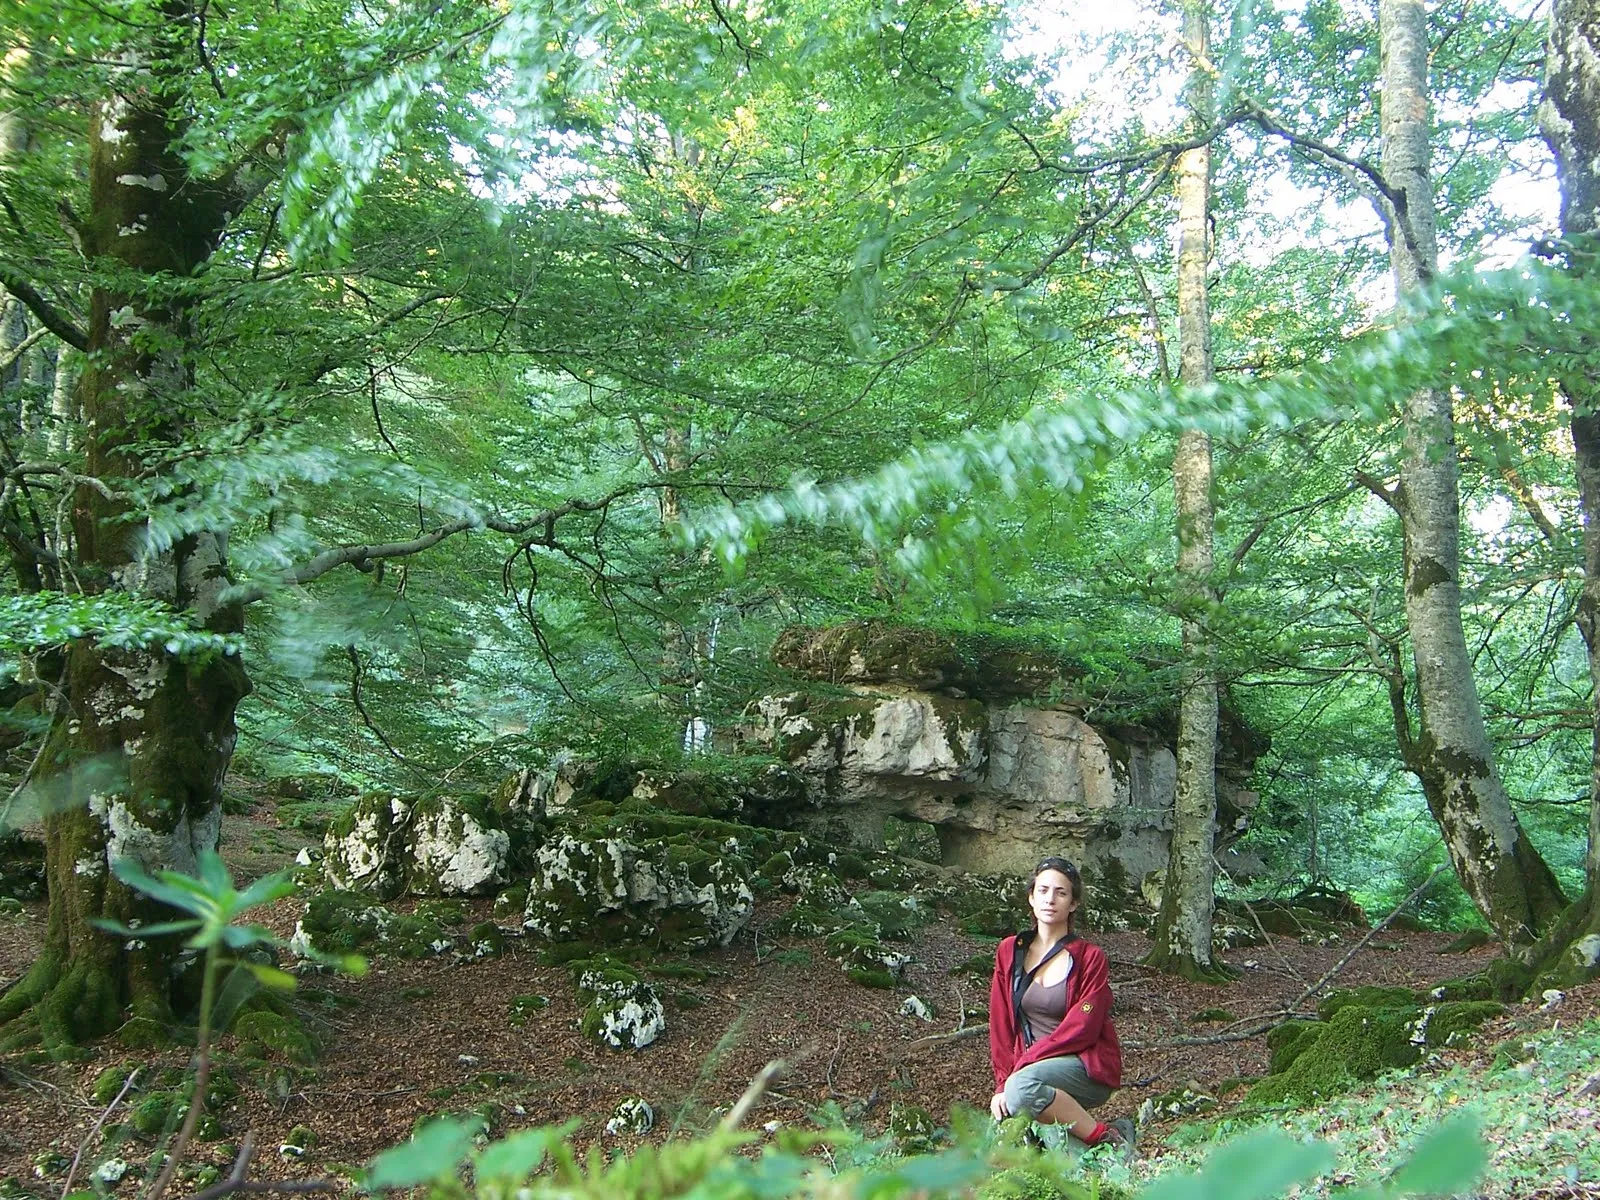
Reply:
x=363, y=849
x=109, y=1083
x=681, y=890
x=620, y=1009
x=157, y=1113
x=1184, y=1101
x=865, y=959
x=894, y=915
x=345, y=922
x=1357, y=1044
x=912, y=1128
x=457, y=847
x=1366, y=997
x=1316, y=1059
x=487, y=940
x=264, y=1033
x=980, y=665
x=432, y=846
x=1287, y=1040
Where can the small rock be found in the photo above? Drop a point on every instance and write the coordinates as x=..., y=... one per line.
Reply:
x=111, y=1171
x=634, y=1116
x=467, y=1060
x=1552, y=998
x=1251, y=964
x=915, y=1006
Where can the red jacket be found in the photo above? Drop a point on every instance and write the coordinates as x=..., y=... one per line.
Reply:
x=1086, y=1030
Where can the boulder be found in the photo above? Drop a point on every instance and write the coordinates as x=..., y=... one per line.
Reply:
x=433, y=846
x=630, y=885
x=620, y=1009
x=875, y=652
x=337, y=923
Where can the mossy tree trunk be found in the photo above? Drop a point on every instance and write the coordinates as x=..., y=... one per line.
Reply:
x=1451, y=756
x=1183, y=933
x=1570, y=952
x=135, y=760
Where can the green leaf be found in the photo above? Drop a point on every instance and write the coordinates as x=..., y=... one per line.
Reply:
x=519, y=1155
x=273, y=977
x=265, y=890
x=170, y=887
x=432, y=1153
x=1449, y=1160
x=1258, y=1167
x=144, y=931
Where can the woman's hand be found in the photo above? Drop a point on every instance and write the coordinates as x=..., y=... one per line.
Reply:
x=997, y=1106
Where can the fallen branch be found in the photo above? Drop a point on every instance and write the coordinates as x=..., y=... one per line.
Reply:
x=66, y=1188
x=1371, y=933
x=236, y=1181
x=955, y=1035
x=1256, y=1026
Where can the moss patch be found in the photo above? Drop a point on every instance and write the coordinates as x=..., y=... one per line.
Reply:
x=262, y=1033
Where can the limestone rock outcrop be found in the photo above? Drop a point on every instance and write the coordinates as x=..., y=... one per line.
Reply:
x=976, y=740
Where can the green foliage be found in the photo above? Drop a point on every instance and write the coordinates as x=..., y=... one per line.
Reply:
x=37, y=621
x=543, y=1162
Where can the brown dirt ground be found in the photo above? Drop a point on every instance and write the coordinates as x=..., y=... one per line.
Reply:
x=419, y=1038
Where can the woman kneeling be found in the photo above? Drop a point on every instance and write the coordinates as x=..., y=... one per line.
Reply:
x=1051, y=1038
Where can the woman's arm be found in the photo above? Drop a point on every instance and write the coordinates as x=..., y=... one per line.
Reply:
x=1002, y=1037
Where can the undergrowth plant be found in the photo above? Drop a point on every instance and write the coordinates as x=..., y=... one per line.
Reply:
x=546, y=1164
x=215, y=907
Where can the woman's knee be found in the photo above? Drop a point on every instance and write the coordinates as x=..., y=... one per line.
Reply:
x=1025, y=1094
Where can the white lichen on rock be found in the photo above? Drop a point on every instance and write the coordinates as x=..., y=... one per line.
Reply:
x=454, y=853
x=634, y=886
x=623, y=1011
x=633, y=1116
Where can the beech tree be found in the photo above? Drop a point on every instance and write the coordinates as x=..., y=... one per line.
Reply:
x=1182, y=937
x=1449, y=752
x=1570, y=953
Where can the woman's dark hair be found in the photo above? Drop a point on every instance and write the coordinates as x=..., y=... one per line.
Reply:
x=1067, y=868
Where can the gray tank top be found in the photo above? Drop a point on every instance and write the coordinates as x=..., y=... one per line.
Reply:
x=1044, y=1008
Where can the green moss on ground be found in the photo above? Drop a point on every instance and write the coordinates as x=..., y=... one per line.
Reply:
x=262, y=1033
x=1367, y=997
x=1358, y=1042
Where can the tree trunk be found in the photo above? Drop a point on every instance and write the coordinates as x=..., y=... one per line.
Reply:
x=1183, y=937
x=1570, y=953
x=1451, y=756
x=142, y=739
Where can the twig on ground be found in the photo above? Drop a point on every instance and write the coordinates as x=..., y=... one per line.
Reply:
x=955, y=1035
x=838, y=1045
x=1371, y=933
x=1266, y=1022
x=236, y=1181
x=66, y=1188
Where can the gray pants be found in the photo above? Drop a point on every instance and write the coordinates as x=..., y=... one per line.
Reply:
x=1031, y=1089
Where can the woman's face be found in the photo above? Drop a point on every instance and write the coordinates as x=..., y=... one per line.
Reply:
x=1051, y=898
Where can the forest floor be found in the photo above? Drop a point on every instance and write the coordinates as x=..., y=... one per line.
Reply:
x=417, y=1038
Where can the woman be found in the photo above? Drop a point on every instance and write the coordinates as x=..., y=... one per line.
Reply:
x=1051, y=1039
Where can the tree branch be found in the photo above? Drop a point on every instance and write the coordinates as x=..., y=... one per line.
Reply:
x=363, y=555
x=49, y=316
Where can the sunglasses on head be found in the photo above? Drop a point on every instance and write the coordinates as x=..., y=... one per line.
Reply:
x=1057, y=864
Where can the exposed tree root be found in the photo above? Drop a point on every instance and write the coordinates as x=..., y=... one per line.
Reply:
x=60, y=1009
x=1569, y=953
